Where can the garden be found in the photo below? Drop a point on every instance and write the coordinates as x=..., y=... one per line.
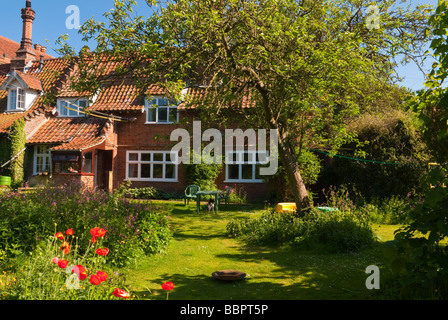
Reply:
x=65, y=243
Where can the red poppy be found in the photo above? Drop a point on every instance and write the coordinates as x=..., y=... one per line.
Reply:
x=82, y=276
x=102, y=252
x=95, y=280
x=120, y=293
x=102, y=275
x=97, y=233
x=69, y=232
x=62, y=264
x=66, y=247
x=59, y=235
x=78, y=269
x=168, y=286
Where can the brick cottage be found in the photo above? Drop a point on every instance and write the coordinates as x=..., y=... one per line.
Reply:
x=99, y=141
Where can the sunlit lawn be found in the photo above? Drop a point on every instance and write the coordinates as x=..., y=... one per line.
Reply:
x=201, y=246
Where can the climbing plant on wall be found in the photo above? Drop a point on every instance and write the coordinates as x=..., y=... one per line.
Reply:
x=18, y=143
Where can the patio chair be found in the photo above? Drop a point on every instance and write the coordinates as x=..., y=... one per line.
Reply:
x=190, y=193
x=225, y=195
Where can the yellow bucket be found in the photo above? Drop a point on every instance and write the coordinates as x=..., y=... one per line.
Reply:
x=286, y=207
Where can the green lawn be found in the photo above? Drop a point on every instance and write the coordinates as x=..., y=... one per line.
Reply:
x=201, y=246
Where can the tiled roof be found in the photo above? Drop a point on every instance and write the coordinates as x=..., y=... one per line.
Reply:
x=8, y=49
x=48, y=79
x=71, y=133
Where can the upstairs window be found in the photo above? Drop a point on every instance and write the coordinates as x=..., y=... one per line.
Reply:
x=71, y=107
x=161, y=110
x=16, y=100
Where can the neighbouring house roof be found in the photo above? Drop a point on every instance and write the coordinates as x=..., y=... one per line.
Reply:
x=46, y=78
x=71, y=134
x=8, y=49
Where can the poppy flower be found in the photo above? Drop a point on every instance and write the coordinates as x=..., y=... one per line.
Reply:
x=102, y=275
x=97, y=233
x=120, y=293
x=69, y=232
x=82, y=275
x=62, y=264
x=66, y=247
x=95, y=280
x=168, y=286
x=78, y=269
x=102, y=252
x=59, y=235
x=55, y=260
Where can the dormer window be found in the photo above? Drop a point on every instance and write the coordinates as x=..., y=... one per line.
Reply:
x=16, y=100
x=161, y=110
x=23, y=90
x=72, y=107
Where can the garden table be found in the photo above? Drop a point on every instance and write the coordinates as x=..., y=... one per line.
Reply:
x=214, y=193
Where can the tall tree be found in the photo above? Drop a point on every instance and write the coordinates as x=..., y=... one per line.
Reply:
x=306, y=65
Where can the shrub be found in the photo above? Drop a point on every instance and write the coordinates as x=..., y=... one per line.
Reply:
x=337, y=232
x=134, y=228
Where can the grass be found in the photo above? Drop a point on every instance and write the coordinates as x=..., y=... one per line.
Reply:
x=201, y=246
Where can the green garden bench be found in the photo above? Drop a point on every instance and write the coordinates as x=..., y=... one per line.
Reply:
x=225, y=195
x=190, y=193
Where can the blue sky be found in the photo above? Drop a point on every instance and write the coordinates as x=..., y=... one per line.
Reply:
x=51, y=19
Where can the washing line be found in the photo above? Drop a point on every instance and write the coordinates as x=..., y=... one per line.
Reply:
x=351, y=158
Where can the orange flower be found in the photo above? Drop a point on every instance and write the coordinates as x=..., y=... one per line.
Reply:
x=82, y=276
x=59, y=235
x=69, y=232
x=97, y=233
x=95, y=280
x=62, y=264
x=102, y=275
x=168, y=286
x=120, y=293
x=66, y=247
x=102, y=252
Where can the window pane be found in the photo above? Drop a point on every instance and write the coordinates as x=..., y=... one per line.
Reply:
x=170, y=171
x=82, y=104
x=133, y=157
x=163, y=102
x=158, y=171
x=146, y=157
x=87, y=163
x=246, y=171
x=163, y=114
x=146, y=171
x=12, y=100
x=233, y=171
x=158, y=157
x=133, y=170
x=173, y=115
x=21, y=99
x=62, y=109
x=151, y=117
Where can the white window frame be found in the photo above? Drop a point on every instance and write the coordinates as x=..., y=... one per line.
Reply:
x=156, y=103
x=73, y=104
x=19, y=99
x=45, y=159
x=252, y=160
x=152, y=162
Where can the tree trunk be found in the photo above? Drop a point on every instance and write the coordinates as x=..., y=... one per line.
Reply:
x=291, y=165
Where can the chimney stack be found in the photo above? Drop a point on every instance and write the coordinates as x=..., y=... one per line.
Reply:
x=25, y=54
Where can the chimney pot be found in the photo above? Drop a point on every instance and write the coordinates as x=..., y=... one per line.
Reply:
x=43, y=49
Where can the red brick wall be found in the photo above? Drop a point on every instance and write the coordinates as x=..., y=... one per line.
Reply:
x=152, y=137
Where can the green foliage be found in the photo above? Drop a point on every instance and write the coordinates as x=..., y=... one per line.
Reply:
x=134, y=228
x=391, y=136
x=421, y=263
x=18, y=143
x=204, y=175
x=38, y=278
x=333, y=232
x=5, y=154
